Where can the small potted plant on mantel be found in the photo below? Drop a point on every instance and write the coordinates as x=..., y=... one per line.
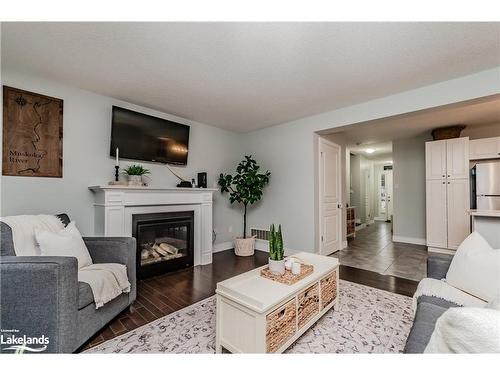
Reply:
x=245, y=187
x=276, y=252
x=135, y=174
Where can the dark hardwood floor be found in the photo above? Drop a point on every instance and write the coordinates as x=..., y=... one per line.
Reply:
x=161, y=295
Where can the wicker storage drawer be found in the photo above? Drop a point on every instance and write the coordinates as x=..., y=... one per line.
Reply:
x=281, y=325
x=308, y=304
x=328, y=289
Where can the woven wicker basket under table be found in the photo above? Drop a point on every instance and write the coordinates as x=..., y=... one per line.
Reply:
x=259, y=315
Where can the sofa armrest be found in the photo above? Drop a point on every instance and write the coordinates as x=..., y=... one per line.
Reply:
x=39, y=296
x=437, y=266
x=115, y=250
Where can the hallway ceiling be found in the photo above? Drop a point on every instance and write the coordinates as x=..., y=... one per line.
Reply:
x=382, y=151
x=483, y=113
x=246, y=76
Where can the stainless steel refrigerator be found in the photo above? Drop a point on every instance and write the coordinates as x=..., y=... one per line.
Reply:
x=485, y=178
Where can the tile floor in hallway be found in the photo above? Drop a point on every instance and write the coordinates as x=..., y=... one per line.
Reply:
x=374, y=250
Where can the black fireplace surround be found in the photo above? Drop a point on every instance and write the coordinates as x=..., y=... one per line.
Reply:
x=164, y=242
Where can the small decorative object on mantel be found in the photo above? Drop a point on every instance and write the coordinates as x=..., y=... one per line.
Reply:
x=117, y=180
x=202, y=180
x=276, y=252
x=447, y=132
x=32, y=134
x=246, y=187
x=135, y=174
x=184, y=182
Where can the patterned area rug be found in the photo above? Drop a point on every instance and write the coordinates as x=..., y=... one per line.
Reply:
x=368, y=321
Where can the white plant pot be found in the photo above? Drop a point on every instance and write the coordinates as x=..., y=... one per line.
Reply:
x=244, y=247
x=277, y=266
x=134, y=180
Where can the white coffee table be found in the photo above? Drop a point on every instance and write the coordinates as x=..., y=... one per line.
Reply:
x=258, y=315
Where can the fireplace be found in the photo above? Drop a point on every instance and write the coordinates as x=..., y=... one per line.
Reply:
x=164, y=242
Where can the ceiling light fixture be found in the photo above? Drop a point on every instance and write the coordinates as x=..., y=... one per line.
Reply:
x=370, y=150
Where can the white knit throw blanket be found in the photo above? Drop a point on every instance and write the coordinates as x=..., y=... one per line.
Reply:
x=439, y=288
x=107, y=281
x=23, y=231
x=466, y=330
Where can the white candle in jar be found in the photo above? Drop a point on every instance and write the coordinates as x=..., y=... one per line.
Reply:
x=117, y=162
x=288, y=264
x=296, y=268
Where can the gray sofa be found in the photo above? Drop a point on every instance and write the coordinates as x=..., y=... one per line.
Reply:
x=429, y=309
x=41, y=295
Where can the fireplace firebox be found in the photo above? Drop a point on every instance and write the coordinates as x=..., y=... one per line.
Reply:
x=164, y=242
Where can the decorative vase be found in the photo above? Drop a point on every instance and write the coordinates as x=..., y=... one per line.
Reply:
x=244, y=247
x=135, y=180
x=277, y=266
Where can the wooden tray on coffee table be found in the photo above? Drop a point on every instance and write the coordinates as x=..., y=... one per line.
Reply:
x=288, y=277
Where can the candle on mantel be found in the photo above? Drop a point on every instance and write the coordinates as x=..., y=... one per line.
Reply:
x=117, y=162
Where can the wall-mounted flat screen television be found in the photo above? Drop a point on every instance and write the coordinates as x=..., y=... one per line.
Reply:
x=142, y=137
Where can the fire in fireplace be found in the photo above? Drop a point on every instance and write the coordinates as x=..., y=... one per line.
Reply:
x=164, y=242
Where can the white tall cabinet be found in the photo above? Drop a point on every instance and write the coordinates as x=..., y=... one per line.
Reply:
x=447, y=193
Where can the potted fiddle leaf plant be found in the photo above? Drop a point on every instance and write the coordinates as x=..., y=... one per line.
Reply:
x=135, y=174
x=276, y=252
x=245, y=187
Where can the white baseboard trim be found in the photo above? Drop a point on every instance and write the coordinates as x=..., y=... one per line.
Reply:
x=260, y=245
x=380, y=218
x=218, y=247
x=440, y=251
x=412, y=240
x=359, y=227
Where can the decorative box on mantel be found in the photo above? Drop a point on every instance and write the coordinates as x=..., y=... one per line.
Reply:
x=115, y=207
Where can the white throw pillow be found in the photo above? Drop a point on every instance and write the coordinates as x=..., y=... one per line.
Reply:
x=466, y=330
x=475, y=268
x=66, y=242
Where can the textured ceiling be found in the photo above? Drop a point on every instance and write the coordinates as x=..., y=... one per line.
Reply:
x=245, y=76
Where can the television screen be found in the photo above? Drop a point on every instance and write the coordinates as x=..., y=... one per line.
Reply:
x=142, y=137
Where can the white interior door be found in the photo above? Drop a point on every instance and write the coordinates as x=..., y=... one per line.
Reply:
x=388, y=189
x=330, y=221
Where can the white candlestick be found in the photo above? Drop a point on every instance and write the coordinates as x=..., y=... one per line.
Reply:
x=117, y=162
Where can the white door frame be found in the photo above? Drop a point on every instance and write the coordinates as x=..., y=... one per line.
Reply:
x=339, y=182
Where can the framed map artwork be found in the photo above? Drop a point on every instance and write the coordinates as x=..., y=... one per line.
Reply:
x=32, y=134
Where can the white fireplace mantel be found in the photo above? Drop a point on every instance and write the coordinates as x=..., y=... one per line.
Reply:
x=115, y=205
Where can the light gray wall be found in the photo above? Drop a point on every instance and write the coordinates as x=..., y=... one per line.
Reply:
x=289, y=151
x=409, y=186
x=481, y=131
x=87, y=131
